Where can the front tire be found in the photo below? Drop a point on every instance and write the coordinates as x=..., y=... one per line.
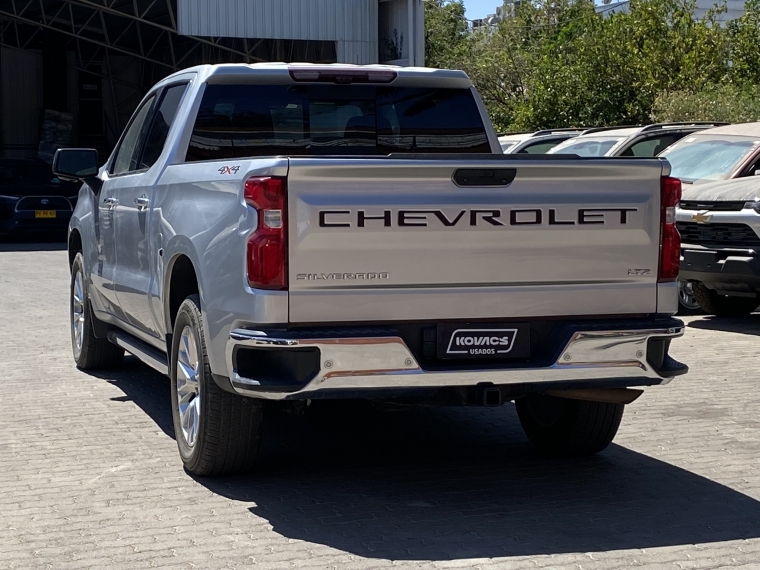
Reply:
x=562, y=427
x=713, y=303
x=687, y=303
x=90, y=352
x=217, y=432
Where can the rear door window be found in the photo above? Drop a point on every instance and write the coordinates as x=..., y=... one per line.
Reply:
x=270, y=120
x=162, y=121
x=538, y=147
x=652, y=146
x=129, y=148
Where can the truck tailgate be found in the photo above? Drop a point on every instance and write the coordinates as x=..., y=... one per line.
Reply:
x=449, y=238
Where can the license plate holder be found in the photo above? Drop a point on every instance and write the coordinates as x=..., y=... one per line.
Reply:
x=44, y=213
x=481, y=342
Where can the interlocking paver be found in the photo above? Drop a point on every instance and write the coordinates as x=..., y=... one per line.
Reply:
x=91, y=477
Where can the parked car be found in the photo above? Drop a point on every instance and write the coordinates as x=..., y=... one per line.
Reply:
x=538, y=142
x=722, y=153
x=649, y=140
x=719, y=223
x=32, y=198
x=256, y=236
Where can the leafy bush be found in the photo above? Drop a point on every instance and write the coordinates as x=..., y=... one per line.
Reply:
x=729, y=103
x=559, y=63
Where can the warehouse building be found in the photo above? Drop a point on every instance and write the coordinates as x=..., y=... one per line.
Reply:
x=734, y=9
x=73, y=71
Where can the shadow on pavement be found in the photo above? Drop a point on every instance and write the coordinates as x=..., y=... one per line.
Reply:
x=48, y=241
x=741, y=325
x=454, y=483
x=148, y=389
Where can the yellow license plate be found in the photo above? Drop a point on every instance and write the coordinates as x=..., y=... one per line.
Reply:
x=44, y=213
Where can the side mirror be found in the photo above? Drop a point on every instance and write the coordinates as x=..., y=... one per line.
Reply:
x=75, y=163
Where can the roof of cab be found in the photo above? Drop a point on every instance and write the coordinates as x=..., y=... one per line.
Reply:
x=226, y=71
x=742, y=129
x=612, y=133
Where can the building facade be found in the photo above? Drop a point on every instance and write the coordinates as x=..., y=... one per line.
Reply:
x=73, y=71
x=734, y=9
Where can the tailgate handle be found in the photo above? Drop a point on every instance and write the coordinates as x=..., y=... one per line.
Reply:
x=484, y=176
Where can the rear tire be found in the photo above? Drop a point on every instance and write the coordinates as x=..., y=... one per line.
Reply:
x=719, y=305
x=90, y=352
x=563, y=427
x=217, y=432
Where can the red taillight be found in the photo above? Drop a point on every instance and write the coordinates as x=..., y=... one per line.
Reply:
x=267, y=255
x=670, y=239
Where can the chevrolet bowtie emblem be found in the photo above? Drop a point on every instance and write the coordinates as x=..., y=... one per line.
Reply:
x=701, y=218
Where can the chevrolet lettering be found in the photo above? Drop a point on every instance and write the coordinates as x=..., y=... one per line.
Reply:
x=242, y=236
x=473, y=218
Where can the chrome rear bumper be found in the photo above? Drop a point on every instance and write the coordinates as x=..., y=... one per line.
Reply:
x=387, y=363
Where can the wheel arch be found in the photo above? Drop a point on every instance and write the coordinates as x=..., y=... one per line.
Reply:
x=74, y=245
x=181, y=280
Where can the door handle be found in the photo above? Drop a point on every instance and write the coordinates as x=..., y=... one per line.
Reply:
x=142, y=202
x=111, y=202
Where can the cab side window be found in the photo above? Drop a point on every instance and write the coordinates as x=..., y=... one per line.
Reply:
x=539, y=147
x=162, y=122
x=753, y=169
x=129, y=149
x=651, y=146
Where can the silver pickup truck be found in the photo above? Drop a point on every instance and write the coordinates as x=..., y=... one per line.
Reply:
x=294, y=232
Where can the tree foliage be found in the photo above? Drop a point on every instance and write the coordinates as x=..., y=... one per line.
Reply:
x=727, y=102
x=559, y=63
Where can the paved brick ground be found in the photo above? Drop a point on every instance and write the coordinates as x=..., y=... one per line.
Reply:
x=90, y=476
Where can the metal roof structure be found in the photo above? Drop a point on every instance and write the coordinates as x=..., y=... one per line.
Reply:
x=144, y=29
x=130, y=45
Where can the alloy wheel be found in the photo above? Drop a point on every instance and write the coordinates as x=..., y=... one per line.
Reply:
x=77, y=314
x=686, y=295
x=188, y=386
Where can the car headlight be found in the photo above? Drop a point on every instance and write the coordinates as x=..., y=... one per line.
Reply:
x=9, y=198
x=755, y=205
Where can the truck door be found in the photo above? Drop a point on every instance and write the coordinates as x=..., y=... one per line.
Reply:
x=136, y=252
x=119, y=175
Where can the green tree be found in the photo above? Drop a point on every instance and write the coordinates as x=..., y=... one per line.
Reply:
x=744, y=45
x=559, y=63
x=446, y=33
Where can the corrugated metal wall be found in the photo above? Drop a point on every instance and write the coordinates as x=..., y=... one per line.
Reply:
x=396, y=35
x=351, y=23
x=21, y=103
x=394, y=30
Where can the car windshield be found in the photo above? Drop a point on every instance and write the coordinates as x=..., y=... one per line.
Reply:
x=25, y=172
x=505, y=146
x=587, y=146
x=705, y=157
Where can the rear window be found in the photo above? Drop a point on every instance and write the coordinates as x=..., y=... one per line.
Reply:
x=586, y=146
x=236, y=121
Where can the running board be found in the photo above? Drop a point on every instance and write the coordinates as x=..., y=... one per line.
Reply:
x=149, y=355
